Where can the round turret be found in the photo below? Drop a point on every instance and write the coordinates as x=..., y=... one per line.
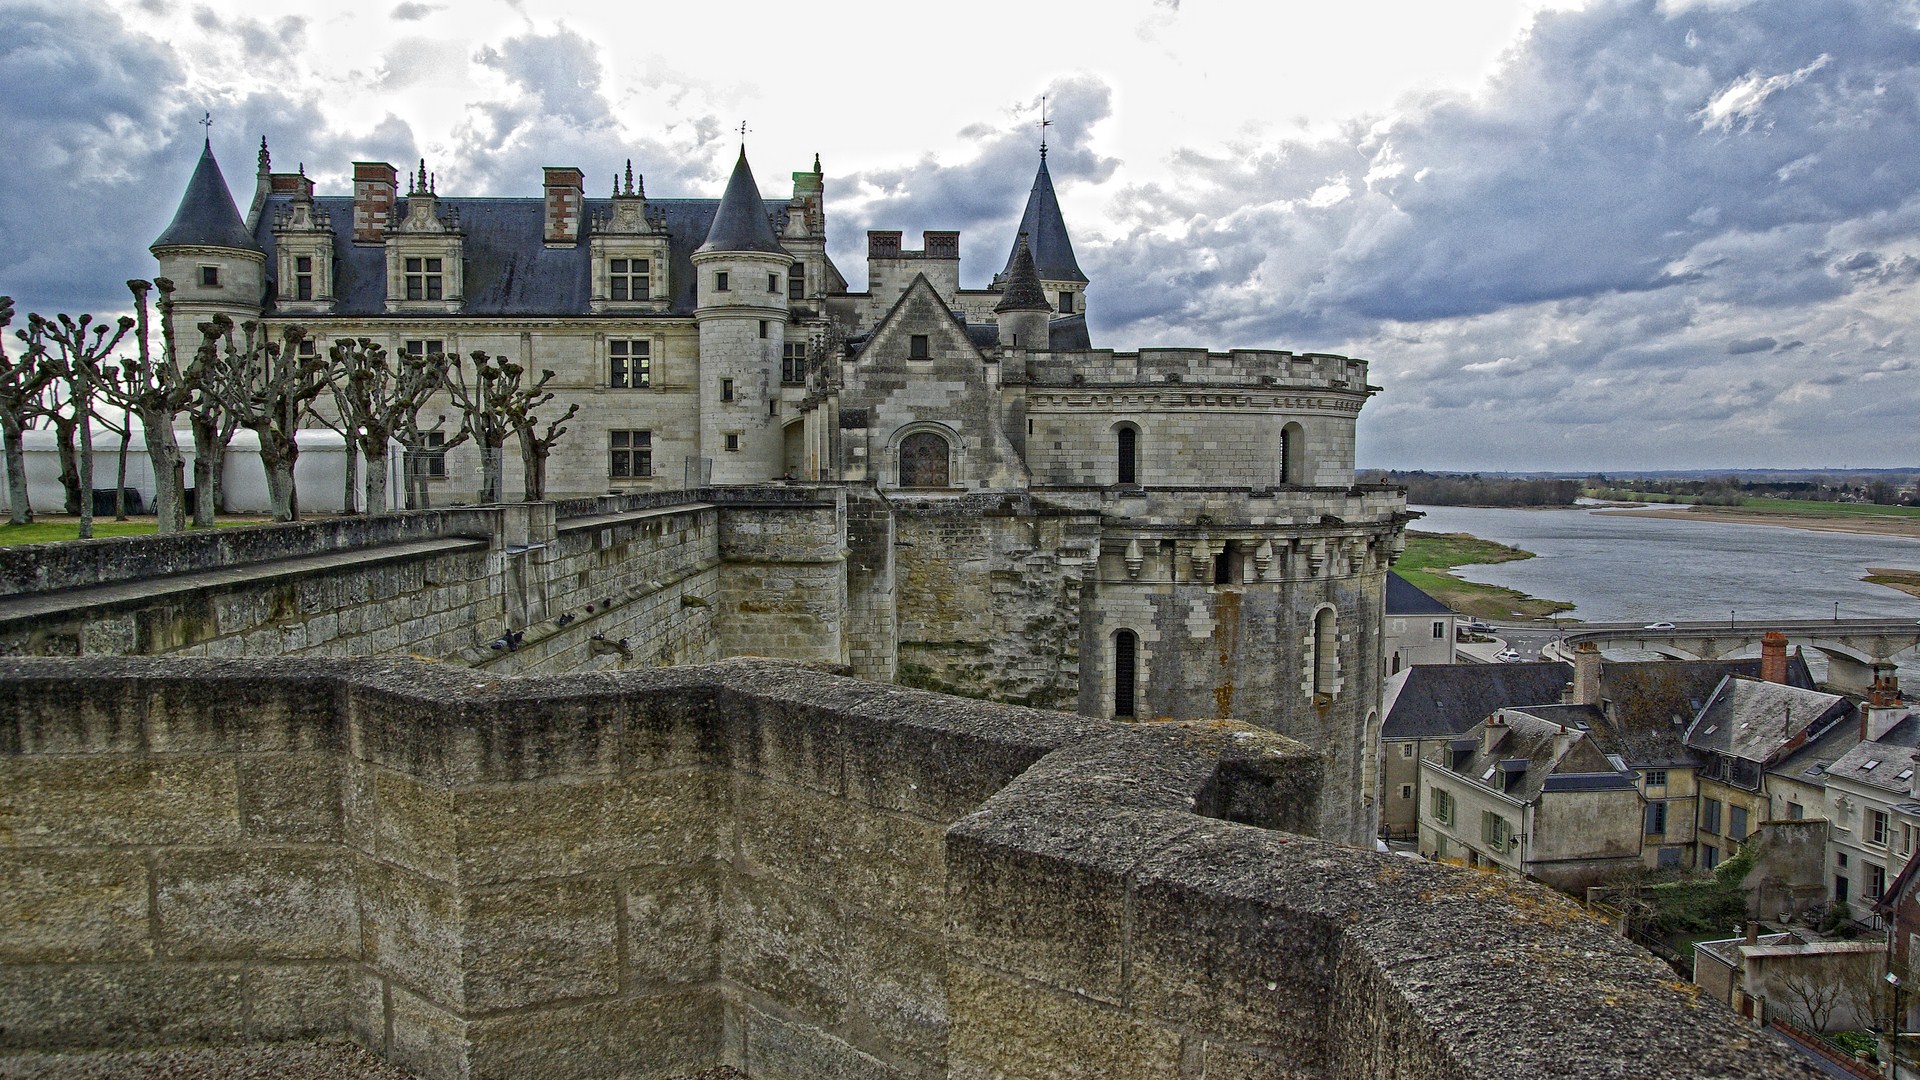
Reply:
x=1022, y=313
x=215, y=263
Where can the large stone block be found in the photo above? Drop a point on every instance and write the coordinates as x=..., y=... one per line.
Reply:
x=292, y=798
x=531, y=944
x=787, y=943
x=82, y=799
x=425, y=1038
x=672, y=924
x=899, y=988
x=304, y=1001
x=560, y=828
x=59, y=907
x=788, y=1048
x=866, y=858
x=84, y=1005
x=410, y=931
x=660, y=1036
x=1010, y=1029
x=261, y=903
x=414, y=824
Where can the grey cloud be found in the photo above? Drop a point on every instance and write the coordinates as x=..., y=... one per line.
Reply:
x=1750, y=345
x=411, y=10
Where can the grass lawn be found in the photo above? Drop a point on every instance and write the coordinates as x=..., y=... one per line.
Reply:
x=1429, y=557
x=1828, y=509
x=47, y=529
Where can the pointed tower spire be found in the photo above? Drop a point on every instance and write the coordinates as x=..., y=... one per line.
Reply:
x=1022, y=291
x=207, y=216
x=740, y=223
x=1046, y=232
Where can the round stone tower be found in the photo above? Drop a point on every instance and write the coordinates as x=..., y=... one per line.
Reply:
x=741, y=311
x=216, y=265
x=1023, y=312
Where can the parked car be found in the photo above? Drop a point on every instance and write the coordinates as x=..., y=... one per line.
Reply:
x=1508, y=656
x=1475, y=626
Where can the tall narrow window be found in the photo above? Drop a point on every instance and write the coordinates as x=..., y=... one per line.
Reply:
x=210, y=277
x=433, y=455
x=1126, y=646
x=1326, y=656
x=720, y=281
x=1066, y=303
x=726, y=389
x=303, y=277
x=629, y=364
x=630, y=279
x=1129, y=441
x=793, y=362
x=773, y=283
x=917, y=347
x=797, y=281
x=1293, y=464
x=424, y=279
x=924, y=461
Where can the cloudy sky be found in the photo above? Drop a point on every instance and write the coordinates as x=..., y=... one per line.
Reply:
x=1569, y=234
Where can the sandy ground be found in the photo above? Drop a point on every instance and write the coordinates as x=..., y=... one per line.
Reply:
x=1858, y=524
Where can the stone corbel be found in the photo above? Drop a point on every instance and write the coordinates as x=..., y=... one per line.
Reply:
x=1263, y=559
x=1201, y=555
x=1316, y=557
x=1134, y=559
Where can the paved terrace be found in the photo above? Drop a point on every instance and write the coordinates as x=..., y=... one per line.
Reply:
x=762, y=866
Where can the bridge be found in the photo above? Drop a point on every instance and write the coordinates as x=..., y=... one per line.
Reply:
x=1855, y=648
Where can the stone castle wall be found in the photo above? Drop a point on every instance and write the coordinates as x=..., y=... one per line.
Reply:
x=646, y=874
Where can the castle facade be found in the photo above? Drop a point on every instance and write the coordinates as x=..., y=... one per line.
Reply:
x=1163, y=533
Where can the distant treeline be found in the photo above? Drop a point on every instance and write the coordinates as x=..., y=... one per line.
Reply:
x=1891, y=490
x=1473, y=489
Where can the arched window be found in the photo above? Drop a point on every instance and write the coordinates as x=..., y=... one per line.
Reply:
x=1126, y=648
x=924, y=461
x=1129, y=447
x=1326, y=652
x=1293, y=457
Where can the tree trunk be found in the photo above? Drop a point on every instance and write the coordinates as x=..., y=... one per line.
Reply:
x=278, y=456
x=169, y=486
x=120, y=474
x=206, y=472
x=493, y=474
x=86, y=470
x=69, y=465
x=376, y=479
x=20, y=502
x=352, y=472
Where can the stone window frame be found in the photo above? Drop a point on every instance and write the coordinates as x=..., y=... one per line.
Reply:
x=1125, y=646
x=721, y=283
x=797, y=281
x=629, y=363
x=303, y=277
x=629, y=278
x=1120, y=429
x=1323, y=679
x=210, y=276
x=1441, y=806
x=1293, y=454
x=424, y=277
x=959, y=475
x=919, y=347
x=730, y=441
x=630, y=454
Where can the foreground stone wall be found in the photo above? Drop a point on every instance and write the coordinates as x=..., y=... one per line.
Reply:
x=645, y=874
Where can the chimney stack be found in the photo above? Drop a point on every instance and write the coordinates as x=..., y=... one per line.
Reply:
x=1883, y=707
x=566, y=203
x=374, y=183
x=1586, y=674
x=1773, y=657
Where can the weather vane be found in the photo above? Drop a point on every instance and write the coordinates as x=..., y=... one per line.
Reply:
x=743, y=134
x=206, y=121
x=1044, y=125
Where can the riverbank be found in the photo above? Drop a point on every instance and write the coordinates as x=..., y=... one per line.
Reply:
x=1428, y=562
x=1858, y=524
x=1893, y=577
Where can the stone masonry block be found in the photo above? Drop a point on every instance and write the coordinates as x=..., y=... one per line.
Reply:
x=427, y=1040
x=410, y=931
x=85, y=1005
x=777, y=1047
x=292, y=798
x=868, y=859
x=59, y=907
x=787, y=943
x=532, y=944
x=607, y=824
x=414, y=824
x=597, y=1040
x=672, y=924
x=71, y=716
x=56, y=801
x=1009, y=1029
x=899, y=987
x=261, y=903
x=303, y=1001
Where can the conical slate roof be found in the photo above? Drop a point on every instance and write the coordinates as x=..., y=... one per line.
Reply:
x=207, y=216
x=740, y=223
x=1046, y=232
x=1021, y=289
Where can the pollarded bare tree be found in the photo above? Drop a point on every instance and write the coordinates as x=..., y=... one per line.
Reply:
x=536, y=444
x=267, y=387
x=154, y=388
x=485, y=409
x=379, y=400
x=21, y=381
x=71, y=348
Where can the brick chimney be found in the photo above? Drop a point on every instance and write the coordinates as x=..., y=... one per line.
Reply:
x=374, y=183
x=566, y=203
x=1773, y=657
x=1883, y=707
x=1586, y=674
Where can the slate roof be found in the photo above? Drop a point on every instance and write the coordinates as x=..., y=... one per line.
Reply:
x=207, y=216
x=509, y=269
x=1529, y=735
x=1436, y=700
x=740, y=223
x=1897, y=749
x=1755, y=721
x=1021, y=289
x=1046, y=232
x=1405, y=598
x=1655, y=700
x=1066, y=334
x=1812, y=763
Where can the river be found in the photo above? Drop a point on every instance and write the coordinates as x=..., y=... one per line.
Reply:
x=1619, y=568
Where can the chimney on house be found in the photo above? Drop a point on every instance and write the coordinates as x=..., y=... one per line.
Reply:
x=1773, y=657
x=566, y=203
x=374, y=183
x=1492, y=732
x=1883, y=707
x=1586, y=674
x=1753, y=932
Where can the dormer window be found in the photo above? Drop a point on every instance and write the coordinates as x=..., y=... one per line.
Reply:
x=210, y=277
x=303, y=277
x=630, y=279
x=425, y=280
